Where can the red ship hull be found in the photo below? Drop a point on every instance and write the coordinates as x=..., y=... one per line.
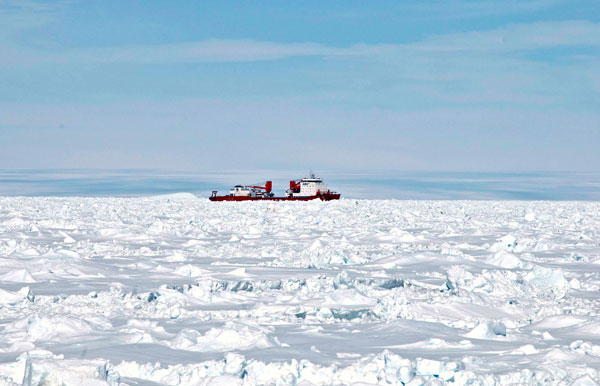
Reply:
x=322, y=196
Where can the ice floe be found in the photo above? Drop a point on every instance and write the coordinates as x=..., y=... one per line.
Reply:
x=178, y=290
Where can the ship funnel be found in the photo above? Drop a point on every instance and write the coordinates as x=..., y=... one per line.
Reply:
x=269, y=186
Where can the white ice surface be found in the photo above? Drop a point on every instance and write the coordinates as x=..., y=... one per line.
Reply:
x=177, y=290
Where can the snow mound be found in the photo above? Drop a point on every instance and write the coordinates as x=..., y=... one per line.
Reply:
x=402, y=236
x=190, y=271
x=233, y=336
x=42, y=367
x=347, y=298
x=527, y=349
x=548, y=279
x=488, y=330
x=176, y=196
x=584, y=380
x=507, y=243
x=19, y=276
x=560, y=321
x=13, y=297
x=43, y=329
x=505, y=259
x=437, y=344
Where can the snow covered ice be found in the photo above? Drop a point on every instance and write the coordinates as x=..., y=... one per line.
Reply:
x=180, y=291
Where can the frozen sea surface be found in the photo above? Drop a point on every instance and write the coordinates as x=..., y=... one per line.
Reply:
x=177, y=290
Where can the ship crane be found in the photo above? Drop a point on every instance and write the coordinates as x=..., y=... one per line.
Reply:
x=295, y=186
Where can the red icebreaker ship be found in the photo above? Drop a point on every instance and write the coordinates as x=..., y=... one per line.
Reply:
x=303, y=190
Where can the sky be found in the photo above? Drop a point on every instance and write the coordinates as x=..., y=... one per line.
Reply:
x=455, y=85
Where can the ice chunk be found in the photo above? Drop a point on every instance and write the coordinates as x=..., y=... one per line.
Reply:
x=347, y=297
x=175, y=257
x=585, y=380
x=234, y=364
x=233, y=336
x=72, y=372
x=68, y=253
x=190, y=271
x=13, y=297
x=547, y=279
x=238, y=272
x=527, y=349
x=507, y=243
x=457, y=276
x=505, y=259
x=429, y=367
x=18, y=275
x=317, y=245
x=41, y=367
x=417, y=381
x=42, y=329
x=403, y=236
x=32, y=252
x=344, y=355
x=488, y=330
x=405, y=374
x=547, y=336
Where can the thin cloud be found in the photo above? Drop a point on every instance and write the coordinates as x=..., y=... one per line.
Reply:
x=19, y=16
x=461, y=9
x=514, y=37
x=204, y=51
x=511, y=38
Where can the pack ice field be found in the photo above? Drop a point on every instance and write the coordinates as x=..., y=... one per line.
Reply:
x=179, y=290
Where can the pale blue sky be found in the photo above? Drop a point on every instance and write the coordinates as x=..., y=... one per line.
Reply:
x=387, y=85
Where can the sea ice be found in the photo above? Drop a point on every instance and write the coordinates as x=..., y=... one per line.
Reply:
x=178, y=290
x=13, y=297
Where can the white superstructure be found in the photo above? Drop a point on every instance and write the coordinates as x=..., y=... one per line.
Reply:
x=307, y=187
x=239, y=190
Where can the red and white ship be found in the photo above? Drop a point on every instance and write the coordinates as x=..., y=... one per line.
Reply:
x=306, y=189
